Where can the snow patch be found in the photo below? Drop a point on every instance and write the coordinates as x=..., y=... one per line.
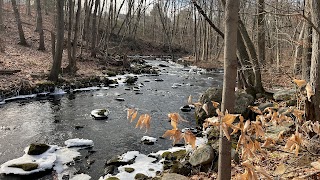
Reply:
x=78, y=142
x=81, y=177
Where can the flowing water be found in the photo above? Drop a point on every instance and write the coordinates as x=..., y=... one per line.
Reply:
x=52, y=121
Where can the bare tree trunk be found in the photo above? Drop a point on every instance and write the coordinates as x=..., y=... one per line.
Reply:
x=73, y=62
x=70, y=22
x=1, y=16
x=315, y=59
x=39, y=25
x=298, y=53
x=19, y=24
x=253, y=56
x=28, y=9
x=261, y=34
x=94, y=30
x=307, y=42
x=56, y=66
x=229, y=83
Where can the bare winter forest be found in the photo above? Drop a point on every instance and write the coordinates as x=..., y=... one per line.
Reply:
x=261, y=123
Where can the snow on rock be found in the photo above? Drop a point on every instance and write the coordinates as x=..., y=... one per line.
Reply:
x=78, y=142
x=44, y=161
x=148, y=139
x=142, y=164
x=126, y=157
x=81, y=177
x=55, y=157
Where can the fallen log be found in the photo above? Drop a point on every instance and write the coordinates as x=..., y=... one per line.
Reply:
x=8, y=72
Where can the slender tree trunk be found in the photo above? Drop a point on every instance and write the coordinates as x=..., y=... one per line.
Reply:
x=56, y=66
x=28, y=9
x=39, y=25
x=1, y=16
x=229, y=83
x=70, y=22
x=253, y=56
x=19, y=24
x=298, y=53
x=94, y=30
x=73, y=62
x=261, y=34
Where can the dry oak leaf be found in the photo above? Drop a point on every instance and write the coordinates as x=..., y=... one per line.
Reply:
x=175, y=119
x=215, y=104
x=255, y=109
x=205, y=108
x=316, y=127
x=309, y=92
x=293, y=143
x=268, y=142
x=281, y=169
x=144, y=120
x=316, y=165
x=249, y=173
x=190, y=138
x=263, y=172
x=190, y=99
x=300, y=83
x=174, y=134
x=129, y=112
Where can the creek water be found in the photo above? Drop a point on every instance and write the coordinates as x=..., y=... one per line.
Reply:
x=54, y=120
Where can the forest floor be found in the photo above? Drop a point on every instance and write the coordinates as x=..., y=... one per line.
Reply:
x=34, y=65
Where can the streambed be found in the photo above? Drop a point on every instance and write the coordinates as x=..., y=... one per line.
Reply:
x=55, y=120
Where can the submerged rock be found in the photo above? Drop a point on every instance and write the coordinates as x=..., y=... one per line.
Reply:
x=185, y=108
x=100, y=114
x=37, y=149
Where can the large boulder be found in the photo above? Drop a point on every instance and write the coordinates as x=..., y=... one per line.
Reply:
x=284, y=95
x=243, y=100
x=202, y=156
x=173, y=176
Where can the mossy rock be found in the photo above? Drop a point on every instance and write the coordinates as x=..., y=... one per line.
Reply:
x=129, y=169
x=26, y=166
x=111, y=73
x=101, y=112
x=177, y=155
x=131, y=80
x=112, y=178
x=140, y=176
x=37, y=149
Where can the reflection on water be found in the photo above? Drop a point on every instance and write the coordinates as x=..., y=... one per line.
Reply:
x=55, y=120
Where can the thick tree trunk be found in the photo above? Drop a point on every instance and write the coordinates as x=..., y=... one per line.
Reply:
x=261, y=34
x=56, y=66
x=315, y=58
x=229, y=83
x=19, y=24
x=39, y=25
x=94, y=30
x=307, y=45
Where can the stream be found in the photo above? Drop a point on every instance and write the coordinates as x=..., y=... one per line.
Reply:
x=57, y=119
